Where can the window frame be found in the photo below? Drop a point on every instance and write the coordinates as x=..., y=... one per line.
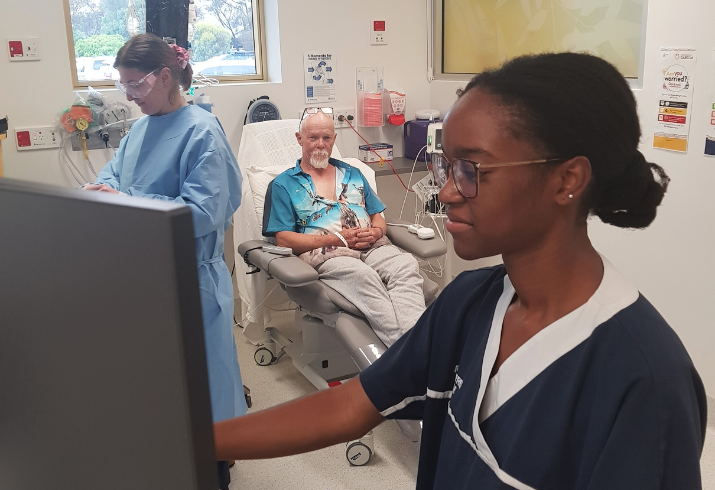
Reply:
x=259, y=49
x=435, y=19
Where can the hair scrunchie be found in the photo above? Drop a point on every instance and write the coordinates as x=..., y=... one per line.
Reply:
x=182, y=56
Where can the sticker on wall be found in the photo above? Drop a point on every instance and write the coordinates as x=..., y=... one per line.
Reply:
x=320, y=74
x=676, y=70
x=710, y=131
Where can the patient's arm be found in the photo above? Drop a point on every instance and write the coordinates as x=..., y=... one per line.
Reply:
x=313, y=422
x=304, y=242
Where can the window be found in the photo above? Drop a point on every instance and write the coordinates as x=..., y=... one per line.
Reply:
x=479, y=34
x=96, y=30
x=224, y=37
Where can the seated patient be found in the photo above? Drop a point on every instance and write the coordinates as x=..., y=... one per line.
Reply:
x=325, y=210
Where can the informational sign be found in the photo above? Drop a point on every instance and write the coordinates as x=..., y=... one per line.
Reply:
x=320, y=74
x=675, y=98
x=710, y=131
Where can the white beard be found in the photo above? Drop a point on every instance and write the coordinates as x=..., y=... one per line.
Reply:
x=319, y=159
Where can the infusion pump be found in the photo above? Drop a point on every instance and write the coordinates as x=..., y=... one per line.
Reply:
x=434, y=138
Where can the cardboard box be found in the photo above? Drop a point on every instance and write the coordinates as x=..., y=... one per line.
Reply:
x=382, y=149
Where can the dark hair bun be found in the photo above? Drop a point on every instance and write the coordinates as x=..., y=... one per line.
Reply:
x=631, y=199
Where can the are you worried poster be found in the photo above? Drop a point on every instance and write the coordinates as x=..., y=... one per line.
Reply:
x=675, y=98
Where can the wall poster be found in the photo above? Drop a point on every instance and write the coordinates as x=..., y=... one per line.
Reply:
x=676, y=69
x=319, y=72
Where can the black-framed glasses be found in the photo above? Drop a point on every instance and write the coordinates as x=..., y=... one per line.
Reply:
x=465, y=173
x=309, y=111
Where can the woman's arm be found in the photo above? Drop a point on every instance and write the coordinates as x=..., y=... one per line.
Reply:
x=313, y=422
x=109, y=175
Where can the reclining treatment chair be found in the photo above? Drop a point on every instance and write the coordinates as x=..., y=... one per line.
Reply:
x=331, y=340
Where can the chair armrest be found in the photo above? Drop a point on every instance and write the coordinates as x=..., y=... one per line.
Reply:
x=287, y=269
x=426, y=249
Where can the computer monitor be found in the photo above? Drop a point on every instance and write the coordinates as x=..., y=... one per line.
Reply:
x=103, y=380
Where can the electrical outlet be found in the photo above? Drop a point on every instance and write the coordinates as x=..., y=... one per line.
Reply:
x=378, y=32
x=23, y=49
x=347, y=114
x=37, y=138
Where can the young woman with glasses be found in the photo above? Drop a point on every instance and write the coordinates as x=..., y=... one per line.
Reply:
x=551, y=370
x=180, y=153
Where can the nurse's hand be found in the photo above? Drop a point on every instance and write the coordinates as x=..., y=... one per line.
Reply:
x=100, y=188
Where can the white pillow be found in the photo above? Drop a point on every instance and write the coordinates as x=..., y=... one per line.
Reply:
x=259, y=178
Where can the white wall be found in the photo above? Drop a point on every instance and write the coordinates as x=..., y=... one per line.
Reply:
x=673, y=261
x=34, y=93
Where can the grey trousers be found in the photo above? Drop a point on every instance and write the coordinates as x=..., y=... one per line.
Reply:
x=385, y=285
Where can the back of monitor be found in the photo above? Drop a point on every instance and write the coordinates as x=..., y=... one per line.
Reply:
x=103, y=378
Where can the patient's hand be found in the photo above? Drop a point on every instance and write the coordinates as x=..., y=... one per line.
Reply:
x=357, y=238
x=369, y=235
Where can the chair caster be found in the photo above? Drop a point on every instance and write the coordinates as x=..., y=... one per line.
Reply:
x=264, y=357
x=359, y=453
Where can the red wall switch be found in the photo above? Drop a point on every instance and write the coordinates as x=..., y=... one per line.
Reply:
x=15, y=49
x=379, y=25
x=23, y=139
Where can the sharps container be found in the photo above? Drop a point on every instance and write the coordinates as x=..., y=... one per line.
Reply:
x=415, y=133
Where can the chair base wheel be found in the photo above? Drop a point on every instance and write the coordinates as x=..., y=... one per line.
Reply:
x=359, y=453
x=264, y=357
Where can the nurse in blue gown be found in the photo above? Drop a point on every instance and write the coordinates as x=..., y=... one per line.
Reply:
x=180, y=153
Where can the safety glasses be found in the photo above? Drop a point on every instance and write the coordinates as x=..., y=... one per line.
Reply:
x=140, y=89
x=465, y=173
x=309, y=111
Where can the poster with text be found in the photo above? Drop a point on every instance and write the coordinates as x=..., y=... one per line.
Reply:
x=320, y=73
x=675, y=98
x=710, y=131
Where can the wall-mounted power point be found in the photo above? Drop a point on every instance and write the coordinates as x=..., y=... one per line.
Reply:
x=23, y=48
x=342, y=116
x=38, y=138
x=378, y=32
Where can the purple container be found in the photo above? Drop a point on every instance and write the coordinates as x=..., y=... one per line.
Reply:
x=415, y=133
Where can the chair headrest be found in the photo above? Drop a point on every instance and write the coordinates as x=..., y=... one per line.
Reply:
x=269, y=143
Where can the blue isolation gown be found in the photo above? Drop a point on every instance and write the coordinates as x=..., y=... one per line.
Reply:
x=184, y=157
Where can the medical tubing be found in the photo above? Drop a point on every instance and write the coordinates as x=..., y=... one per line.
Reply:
x=91, y=167
x=258, y=305
x=65, y=158
x=409, y=182
x=381, y=159
x=79, y=182
x=109, y=125
x=200, y=78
